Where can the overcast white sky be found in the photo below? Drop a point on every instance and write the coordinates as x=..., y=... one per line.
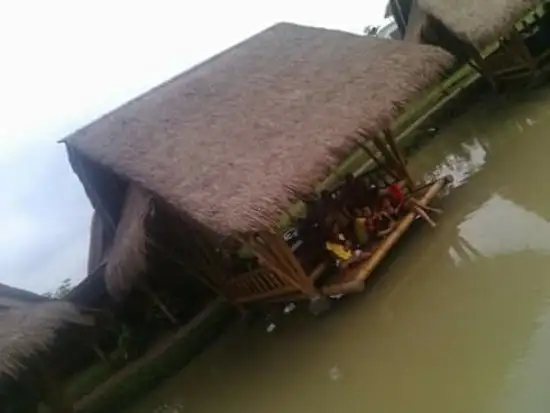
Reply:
x=66, y=62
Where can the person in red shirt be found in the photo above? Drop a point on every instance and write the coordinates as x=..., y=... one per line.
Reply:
x=396, y=201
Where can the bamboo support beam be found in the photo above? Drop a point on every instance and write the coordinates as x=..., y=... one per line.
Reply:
x=104, y=357
x=286, y=256
x=158, y=302
x=519, y=48
x=271, y=264
x=400, y=158
x=377, y=161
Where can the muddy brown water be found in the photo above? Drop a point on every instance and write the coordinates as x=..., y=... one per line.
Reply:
x=457, y=320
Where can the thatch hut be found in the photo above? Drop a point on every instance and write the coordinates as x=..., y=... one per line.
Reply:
x=221, y=151
x=469, y=28
x=480, y=23
x=29, y=324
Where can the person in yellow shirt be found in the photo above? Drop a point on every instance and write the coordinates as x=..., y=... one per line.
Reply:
x=342, y=251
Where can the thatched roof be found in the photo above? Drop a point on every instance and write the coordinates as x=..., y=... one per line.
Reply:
x=416, y=22
x=14, y=297
x=231, y=141
x=127, y=258
x=479, y=22
x=28, y=329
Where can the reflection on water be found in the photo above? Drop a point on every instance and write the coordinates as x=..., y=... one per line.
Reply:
x=501, y=227
x=458, y=320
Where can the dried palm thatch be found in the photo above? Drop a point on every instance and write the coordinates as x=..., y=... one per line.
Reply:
x=479, y=22
x=27, y=330
x=416, y=23
x=234, y=139
x=127, y=260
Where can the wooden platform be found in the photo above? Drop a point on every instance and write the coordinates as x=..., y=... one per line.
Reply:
x=353, y=279
x=265, y=285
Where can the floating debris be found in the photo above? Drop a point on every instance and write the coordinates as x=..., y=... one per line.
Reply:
x=271, y=328
x=289, y=308
x=335, y=373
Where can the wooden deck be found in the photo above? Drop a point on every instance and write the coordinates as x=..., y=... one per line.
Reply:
x=353, y=279
x=265, y=285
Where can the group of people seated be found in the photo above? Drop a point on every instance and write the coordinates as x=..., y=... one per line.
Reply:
x=352, y=220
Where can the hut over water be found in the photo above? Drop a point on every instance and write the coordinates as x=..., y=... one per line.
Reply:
x=479, y=22
x=29, y=324
x=226, y=147
x=470, y=29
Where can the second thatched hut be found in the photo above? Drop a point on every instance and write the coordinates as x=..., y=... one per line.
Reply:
x=487, y=33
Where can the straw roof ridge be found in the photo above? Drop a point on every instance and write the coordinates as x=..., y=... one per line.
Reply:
x=479, y=22
x=224, y=142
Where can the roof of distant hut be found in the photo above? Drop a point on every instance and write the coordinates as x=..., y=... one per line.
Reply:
x=29, y=324
x=478, y=22
x=230, y=142
x=11, y=296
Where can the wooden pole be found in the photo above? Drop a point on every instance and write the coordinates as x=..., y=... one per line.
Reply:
x=483, y=68
x=158, y=302
x=519, y=48
x=104, y=357
x=377, y=161
x=400, y=158
x=268, y=261
x=401, y=17
x=285, y=255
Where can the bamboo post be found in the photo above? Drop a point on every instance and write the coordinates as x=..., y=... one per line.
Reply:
x=158, y=302
x=401, y=17
x=286, y=256
x=101, y=355
x=483, y=68
x=400, y=159
x=377, y=161
x=271, y=264
x=519, y=48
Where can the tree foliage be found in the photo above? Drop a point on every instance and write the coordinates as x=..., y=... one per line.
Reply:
x=61, y=292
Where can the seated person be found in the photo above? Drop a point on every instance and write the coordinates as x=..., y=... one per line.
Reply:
x=357, y=193
x=408, y=203
x=382, y=223
x=363, y=226
x=342, y=251
x=391, y=207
